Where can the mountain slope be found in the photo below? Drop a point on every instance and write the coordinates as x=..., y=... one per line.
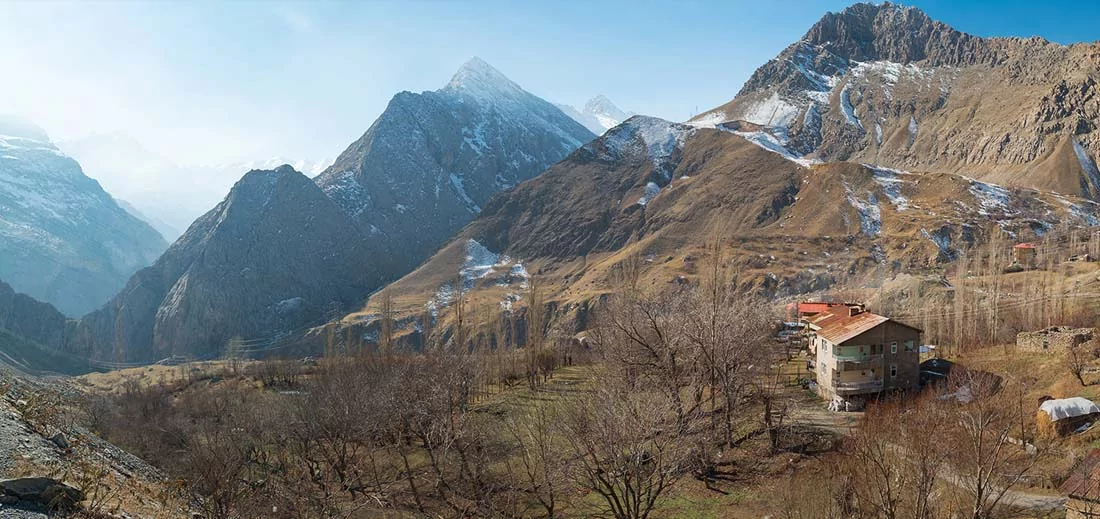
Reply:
x=667, y=192
x=274, y=256
x=885, y=84
x=598, y=115
x=431, y=160
x=63, y=239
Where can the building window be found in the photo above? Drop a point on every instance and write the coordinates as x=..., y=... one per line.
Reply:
x=909, y=345
x=893, y=347
x=893, y=371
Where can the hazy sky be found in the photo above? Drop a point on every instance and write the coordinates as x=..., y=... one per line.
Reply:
x=215, y=82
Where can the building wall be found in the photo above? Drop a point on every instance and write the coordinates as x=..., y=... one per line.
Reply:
x=1055, y=338
x=899, y=346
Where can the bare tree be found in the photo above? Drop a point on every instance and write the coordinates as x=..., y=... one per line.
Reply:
x=1077, y=360
x=986, y=463
x=625, y=446
x=543, y=463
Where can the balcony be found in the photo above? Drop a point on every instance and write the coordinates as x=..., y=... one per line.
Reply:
x=863, y=386
x=858, y=362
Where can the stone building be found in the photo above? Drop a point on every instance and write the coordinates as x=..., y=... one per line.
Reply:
x=1055, y=338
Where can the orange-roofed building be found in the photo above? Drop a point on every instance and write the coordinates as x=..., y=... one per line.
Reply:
x=1024, y=254
x=858, y=354
x=804, y=310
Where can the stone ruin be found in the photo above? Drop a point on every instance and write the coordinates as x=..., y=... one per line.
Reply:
x=1055, y=338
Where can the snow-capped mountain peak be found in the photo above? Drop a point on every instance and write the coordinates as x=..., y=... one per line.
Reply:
x=476, y=77
x=602, y=106
x=599, y=114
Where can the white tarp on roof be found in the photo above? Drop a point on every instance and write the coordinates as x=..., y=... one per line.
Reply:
x=1068, y=408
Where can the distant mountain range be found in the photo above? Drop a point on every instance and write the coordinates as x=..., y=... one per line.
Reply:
x=598, y=115
x=282, y=252
x=168, y=195
x=63, y=239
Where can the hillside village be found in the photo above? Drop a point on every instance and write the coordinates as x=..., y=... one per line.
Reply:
x=867, y=286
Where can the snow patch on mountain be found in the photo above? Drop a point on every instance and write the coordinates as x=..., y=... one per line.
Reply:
x=655, y=139
x=1087, y=164
x=651, y=191
x=773, y=111
x=870, y=215
x=991, y=197
x=849, y=110
x=891, y=182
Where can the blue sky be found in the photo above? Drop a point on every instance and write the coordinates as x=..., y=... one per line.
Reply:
x=214, y=82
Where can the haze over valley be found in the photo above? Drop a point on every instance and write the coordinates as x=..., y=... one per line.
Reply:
x=824, y=260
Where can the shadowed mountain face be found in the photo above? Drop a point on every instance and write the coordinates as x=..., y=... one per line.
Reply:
x=272, y=257
x=885, y=84
x=432, y=160
x=62, y=238
x=283, y=252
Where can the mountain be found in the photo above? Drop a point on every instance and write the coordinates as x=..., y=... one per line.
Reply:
x=63, y=239
x=32, y=334
x=283, y=252
x=667, y=192
x=598, y=115
x=164, y=193
x=272, y=257
x=165, y=229
x=885, y=84
x=431, y=160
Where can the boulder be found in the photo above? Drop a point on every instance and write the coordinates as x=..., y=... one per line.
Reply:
x=47, y=492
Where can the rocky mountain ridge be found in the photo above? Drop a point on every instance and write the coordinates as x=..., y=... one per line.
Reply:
x=670, y=191
x=885, y=84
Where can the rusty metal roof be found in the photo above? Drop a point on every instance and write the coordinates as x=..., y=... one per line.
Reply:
x=1084, y=481
x=846, y=328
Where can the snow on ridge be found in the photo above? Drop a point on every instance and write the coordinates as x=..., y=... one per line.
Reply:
x=990, y=197
x=773, y=111
x=656, y=138
x=708, y=119
x=891, y=181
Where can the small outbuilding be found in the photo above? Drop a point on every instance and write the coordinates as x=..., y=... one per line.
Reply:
x=1064, y=416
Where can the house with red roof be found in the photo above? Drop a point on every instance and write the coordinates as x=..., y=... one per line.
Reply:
x=859, y=354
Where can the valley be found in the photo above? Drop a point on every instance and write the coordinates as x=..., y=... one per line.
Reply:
x=865, y=286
